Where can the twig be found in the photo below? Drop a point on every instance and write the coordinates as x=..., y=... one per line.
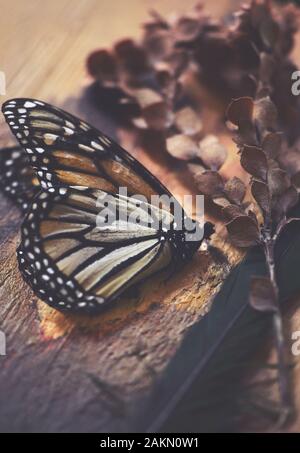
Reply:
x=283, y=380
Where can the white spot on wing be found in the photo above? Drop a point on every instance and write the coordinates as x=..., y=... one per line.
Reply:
x=97, y=146
x=29, y=104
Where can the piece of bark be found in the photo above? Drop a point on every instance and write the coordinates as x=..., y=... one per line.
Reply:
x=71, y=373
x=62, y=373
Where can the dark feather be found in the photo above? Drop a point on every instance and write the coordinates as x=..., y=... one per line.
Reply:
x=197, y=391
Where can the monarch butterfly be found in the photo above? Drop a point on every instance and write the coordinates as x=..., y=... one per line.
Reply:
x=70, y=261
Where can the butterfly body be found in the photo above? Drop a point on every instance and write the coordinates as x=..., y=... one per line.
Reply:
x=74, y=253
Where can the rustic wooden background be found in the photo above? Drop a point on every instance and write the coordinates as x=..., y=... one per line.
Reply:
x=65, y=373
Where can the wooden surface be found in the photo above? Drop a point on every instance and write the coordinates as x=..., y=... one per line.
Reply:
x=65, y=373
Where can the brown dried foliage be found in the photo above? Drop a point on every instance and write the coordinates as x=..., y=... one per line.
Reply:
x=145, y=81
x=249, y=61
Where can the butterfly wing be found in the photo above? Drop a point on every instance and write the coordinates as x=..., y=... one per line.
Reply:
x=74, y=261
x=17, y=179
x=69, y=262
x=66, y=151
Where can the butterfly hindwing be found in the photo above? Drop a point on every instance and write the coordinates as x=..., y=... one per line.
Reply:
x=75, y=263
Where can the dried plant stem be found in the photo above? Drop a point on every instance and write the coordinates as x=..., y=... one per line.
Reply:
x=283, y=380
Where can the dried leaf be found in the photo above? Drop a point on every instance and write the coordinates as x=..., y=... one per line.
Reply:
x=132, y=57
x=265, y=113
x=159, y=44
x=287, y=200
x=182, y=147
x=164, y=76
x=272, y=143
x=221, y=201
x=146, y=97
x=258, y=13
x=243, y=231
x=212, y=152
x=267, y=67
x=269, y=32
x=261, y=194
x=235, y=190
x=158, y=116
x=187, y=28
x=273, y=165
x=240, y=110
x=262, y=295
x=101, y=64
x=251, y=214
x=278, y=181
x=231, y=211
x=296, y=179
x=254, y=161
x=209, y=183
x=196, y=169
x=188, y=121
x=246, y=134
x=178, y=61
x=139, y=123
x=289, y=159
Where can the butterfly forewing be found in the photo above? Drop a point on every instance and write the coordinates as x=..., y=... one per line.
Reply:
x=67, y=151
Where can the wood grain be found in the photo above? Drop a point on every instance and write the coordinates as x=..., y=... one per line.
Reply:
x=66, y=373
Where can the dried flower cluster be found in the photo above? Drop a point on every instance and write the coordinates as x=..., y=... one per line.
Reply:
x=274, y=185
x=273, y=189
x=232, y=58
x=145, y=84
x=148, y=84
x=149, y=81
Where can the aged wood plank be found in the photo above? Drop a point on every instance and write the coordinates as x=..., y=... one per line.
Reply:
x=64, y=373
x=67, y=373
